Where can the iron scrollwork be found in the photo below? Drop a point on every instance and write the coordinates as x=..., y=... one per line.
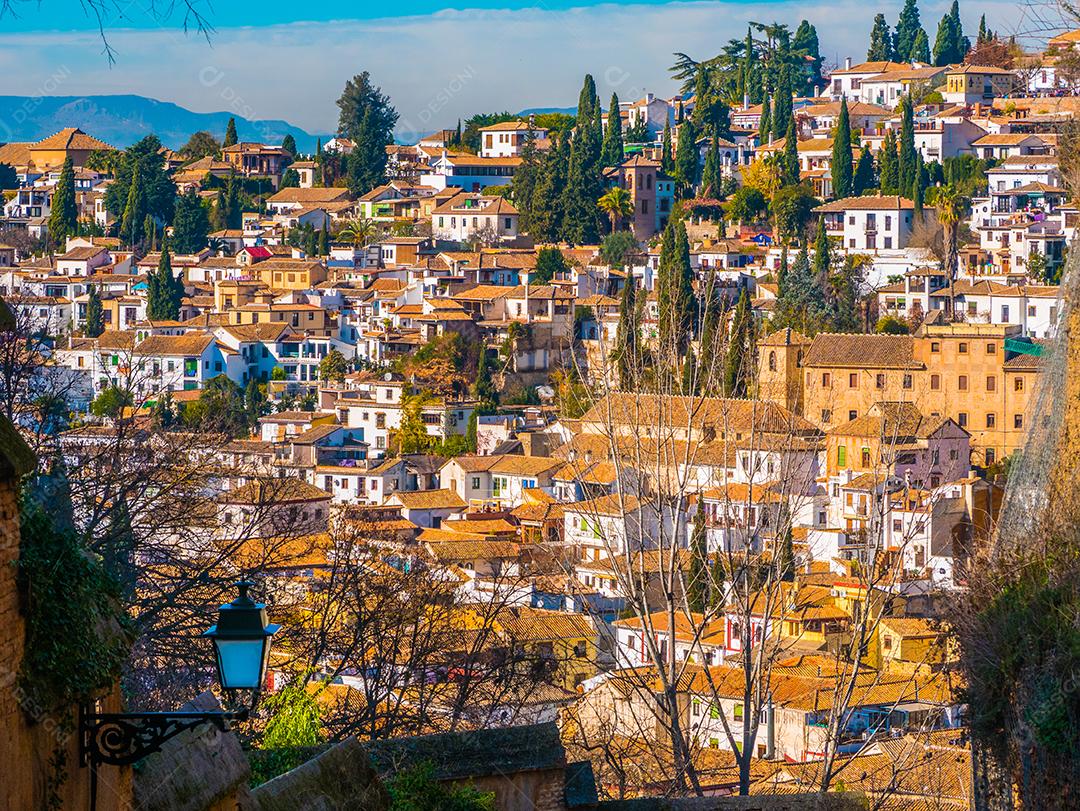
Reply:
x=121, y=739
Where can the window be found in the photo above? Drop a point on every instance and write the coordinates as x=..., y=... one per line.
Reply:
x=476, y=483
x=907, y=381
x=935, y=382
x=961, y=419
x=962, y=348
x=853, y=380
x=991, y=456
x=772, y=361
x=696, y=711
x=935, y=346
x=841, y=456
x=991, y=383
x=961, y=382
x=852, y=415
x=826, y=415
x=1018, y=384
x=991, y=349
x=879, y=381
x=826, y=380
x=991, y=420
x=738, y=714
x=866, y=457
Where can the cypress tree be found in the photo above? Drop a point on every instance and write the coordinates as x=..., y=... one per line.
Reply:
x=64, y=214
x=822, y=258
x=841, y=154
x=546, y=206
x=917, y=185
x=324, y=241
x=95, y=316
x=131, y=224
x=711, y=175
x=164, y=290
x=612, y=153
x=150, y=229
x=675, y=292
x=667, y=161
x=881, y=49
x=943, y=42
x=626, y=335
x=920, y=49
x=584, y=183
x=864, y=173
x=907, y=28
x=781, y=112
x=746, y=72
x=739, y=362
x=230, y=133
x=888, y=164
x=961, y=44
x=806, y=41
x=907, y=145
x=765, y=123
x=234, y=211
x=800, y=302
x=791, y=155
x=219, y=217
x=686, y=158
x=984, y=35
x=191, y=224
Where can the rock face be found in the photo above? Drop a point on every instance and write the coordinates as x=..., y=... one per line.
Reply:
x=340, y=779
x=198, y=770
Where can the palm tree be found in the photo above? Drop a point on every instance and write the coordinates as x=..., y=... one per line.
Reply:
x=950, y=206
x=617, y=204
x=360, y=231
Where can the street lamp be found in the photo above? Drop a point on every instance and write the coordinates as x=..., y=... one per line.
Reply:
x=241, y=640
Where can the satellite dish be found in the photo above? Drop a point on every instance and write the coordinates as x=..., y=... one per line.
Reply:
x=388, y=376
x=545, y=392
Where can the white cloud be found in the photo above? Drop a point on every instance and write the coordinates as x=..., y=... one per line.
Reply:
x=436, y=68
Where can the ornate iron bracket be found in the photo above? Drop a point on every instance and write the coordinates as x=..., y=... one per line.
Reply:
x=121, y=739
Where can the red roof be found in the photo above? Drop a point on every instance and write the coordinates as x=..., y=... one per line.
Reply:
x=259, y=252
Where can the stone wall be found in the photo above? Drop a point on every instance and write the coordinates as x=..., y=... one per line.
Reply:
x=30, y=737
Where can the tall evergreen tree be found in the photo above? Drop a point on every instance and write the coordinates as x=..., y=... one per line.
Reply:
x=984, y=34
x=863, y=179
x=191, y=223
x=165, y=292
x=367, y=118
x=790, y=168
x=219, y=216
x=612, y=152
x=920, y=49
x=64, y=215
x=667, y=159
x=961, y=44
x=711, y=178
x=234, y=211
x=806, y=41
x=907, y=145
x=918, y=185
x=881, y=47
x=782, y=104
x=739, y=363
x=889, y=164
x=822, y=256
x=525, y=179
x=546, y=206
x=95, y=316
x=765, y=122
x=230, y=133
x=675, y=293
x=627, y=333
x=686, y=158
x=800, y=302
x=844, y=305
x=131, y=225
x=841, y=154
x=288, y=143
x=907, y=28
x=585, y=182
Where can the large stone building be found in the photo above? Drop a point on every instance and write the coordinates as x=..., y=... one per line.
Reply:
x=979, y=375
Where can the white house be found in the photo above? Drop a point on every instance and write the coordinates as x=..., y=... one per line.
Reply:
x=869, y=224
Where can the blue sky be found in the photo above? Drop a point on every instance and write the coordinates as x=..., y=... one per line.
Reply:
x=289, y=60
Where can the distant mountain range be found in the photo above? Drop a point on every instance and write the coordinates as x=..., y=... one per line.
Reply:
x=123, y=120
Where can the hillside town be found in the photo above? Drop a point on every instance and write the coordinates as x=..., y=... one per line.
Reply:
x=675, y=428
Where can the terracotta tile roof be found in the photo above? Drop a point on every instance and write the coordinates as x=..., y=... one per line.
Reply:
x=698, y=412
x=192, y=343
x=873, y=203
x=71, y=138
x=308, y=196
x=271, y=490
x=862, y=351
x=429, y=500
x=527, y=624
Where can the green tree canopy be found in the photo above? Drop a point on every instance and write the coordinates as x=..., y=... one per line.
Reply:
x=64, y=215
x=191, y=223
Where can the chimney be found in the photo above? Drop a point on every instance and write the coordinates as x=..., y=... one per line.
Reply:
x=770, y=730
x=847, y=63
x=746, y=101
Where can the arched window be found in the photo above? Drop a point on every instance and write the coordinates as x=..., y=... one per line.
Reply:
x=772, y=361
